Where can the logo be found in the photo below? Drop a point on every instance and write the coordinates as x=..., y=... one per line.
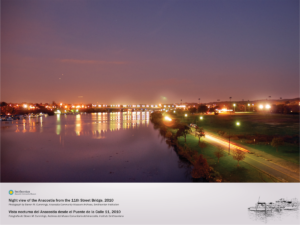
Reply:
x=11, y=192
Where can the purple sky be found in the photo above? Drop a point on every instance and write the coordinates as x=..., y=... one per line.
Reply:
x=126, y=52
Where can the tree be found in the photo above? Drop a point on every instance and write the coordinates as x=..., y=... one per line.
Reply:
x=202, y=108
x=163, y=130
x=54, y=103
x=200, y=133
x=3, y=104
x=201, y=168
x=168, y=134
x=219, y=153
x=183, y=131
x=213, y=109
x=277, y=142
x=156, y=118
x=238, y=155
x=193, y=110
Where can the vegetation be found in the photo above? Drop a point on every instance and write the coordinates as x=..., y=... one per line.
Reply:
x=200, y=132
x=219, y=153
x=238, y=155
x=256, y=130
x=277, y=142
x=183, y=131
x=188, y=149
x=202, y=109
x=201, y=168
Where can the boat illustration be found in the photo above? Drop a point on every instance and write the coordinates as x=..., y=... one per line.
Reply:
x=281, y=204
x=261, y=206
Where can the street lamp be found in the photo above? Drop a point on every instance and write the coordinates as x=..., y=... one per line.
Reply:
x=234, y=106
x=230, y=103
x=238, y=124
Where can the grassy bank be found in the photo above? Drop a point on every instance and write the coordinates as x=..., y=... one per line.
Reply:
x=261, y=127
x=227, y=167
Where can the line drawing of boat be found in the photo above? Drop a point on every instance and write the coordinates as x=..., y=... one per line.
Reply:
x=291, y=204
x=281, y=204
x=260, y=207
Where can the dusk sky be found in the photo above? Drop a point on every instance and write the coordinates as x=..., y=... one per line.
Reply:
x=127, y=52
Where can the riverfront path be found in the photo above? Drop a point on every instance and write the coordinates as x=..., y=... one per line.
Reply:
x=278, y=168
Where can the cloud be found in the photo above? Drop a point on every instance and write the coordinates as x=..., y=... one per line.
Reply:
x=78, y=61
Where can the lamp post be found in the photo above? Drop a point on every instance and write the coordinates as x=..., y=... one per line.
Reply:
x=230, y=104
x=238, y=124
x=234, y=106
x=229, y=142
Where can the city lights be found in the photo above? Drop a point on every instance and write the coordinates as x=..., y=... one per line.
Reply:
x=261, y=106
x=237, y=123
x=201, y=117
x=268, y=106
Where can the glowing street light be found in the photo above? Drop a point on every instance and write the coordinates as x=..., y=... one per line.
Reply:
x=237, y=123
x=261, y=106
x=168, y=118
x=234, y=106
x=201, y=117
x=268, y=106
x=185, y=115
x=25, y=106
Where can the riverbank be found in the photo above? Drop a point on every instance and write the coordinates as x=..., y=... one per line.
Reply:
x=258, y=166
x=227, y=166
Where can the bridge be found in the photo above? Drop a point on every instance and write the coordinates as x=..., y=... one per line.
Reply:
x=140, y=107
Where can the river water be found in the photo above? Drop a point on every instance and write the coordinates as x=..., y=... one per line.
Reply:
x=97, y=147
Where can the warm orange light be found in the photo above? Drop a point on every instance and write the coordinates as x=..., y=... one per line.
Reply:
x=225, y=143
x=168, y=118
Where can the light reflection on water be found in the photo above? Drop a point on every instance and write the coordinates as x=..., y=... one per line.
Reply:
x=97, y=147
x=274, y=217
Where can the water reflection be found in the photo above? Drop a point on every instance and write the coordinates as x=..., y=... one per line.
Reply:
x=98, y=147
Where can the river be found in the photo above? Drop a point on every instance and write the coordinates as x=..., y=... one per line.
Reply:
x=96, y=147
